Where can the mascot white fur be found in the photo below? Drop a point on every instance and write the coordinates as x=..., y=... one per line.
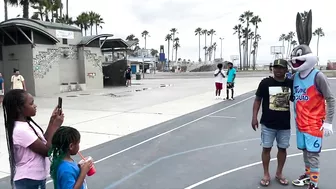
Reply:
x=314, y=103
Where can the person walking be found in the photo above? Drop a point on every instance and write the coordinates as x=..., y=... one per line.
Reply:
x=18, y=81
x=274, y=93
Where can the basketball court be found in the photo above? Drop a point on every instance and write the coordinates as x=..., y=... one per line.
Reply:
x=211, y=148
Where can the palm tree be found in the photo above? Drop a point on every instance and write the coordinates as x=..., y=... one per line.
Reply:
x=211, y=32
x=91, y=20
x=245, y=17
x=6, y=9
x=290, y=37
x=237, y=30
x=83, y=22
x=255, y=20
x=198, y=32
x=25, y=5
x=144, y=34
x=283, y=39
x=257, y=38
x=176, y=46
x=98, y=21
x=173, y=33
x=250, y=37
x=214, y=47
x=293, y=43
x=205, y=33
x=168, y=38
x=319, y=33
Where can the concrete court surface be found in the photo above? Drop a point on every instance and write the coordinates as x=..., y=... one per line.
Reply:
x=212, y=148
x=214, y=140
x=101, y=118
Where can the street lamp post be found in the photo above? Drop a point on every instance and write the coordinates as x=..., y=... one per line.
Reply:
x=221, y=38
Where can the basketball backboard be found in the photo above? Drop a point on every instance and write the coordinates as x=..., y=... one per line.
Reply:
x=277, y=50
x=234, y=57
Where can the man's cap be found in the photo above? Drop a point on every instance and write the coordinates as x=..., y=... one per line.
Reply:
x=280, y=62
x=230, y=63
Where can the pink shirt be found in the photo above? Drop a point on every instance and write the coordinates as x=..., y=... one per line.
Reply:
x=28, y=163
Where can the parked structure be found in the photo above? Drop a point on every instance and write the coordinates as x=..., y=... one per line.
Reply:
x=53, y=57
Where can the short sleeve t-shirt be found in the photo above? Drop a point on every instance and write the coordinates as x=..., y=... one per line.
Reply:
x=275, y=97
x=1, y=81
x=231, y=74
x=219, y=78
x=17, y=81
x=29, y=164
x=67, y=175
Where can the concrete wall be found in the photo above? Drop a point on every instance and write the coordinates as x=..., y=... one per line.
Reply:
x=90, y=61
x=20, y=57
x=46, y=70
x=54, y=65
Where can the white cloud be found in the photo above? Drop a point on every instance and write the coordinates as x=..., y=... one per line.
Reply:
x=159, y=16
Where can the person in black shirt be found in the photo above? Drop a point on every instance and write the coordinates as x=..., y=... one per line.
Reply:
x=274, y=93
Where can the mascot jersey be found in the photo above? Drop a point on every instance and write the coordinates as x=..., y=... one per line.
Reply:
x=309, y=105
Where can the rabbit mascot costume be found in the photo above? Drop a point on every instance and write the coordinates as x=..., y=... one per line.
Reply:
x=313, y=104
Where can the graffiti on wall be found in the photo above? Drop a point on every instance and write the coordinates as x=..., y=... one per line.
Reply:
x=44, y=60
x=94, y=59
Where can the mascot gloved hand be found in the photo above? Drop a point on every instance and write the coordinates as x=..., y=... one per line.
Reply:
x=327, y=129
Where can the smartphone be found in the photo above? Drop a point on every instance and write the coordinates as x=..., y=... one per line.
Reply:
x=59, y=103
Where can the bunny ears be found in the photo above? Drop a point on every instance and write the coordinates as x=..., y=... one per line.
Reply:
x=304, y=29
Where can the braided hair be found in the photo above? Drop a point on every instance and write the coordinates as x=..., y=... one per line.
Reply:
x=63, y=137
x=13, y=105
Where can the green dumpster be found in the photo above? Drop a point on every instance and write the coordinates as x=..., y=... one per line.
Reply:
x=138, y=76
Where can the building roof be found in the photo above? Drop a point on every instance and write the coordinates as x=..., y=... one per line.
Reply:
x=86, y=40
x=115, y=43
x=29, y=23
x=50, y=25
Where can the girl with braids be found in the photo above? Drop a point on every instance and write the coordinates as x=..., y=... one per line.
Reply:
x=28, y=145
x=65, y=172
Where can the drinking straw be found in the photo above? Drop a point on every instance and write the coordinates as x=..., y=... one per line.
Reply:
x=81, y=155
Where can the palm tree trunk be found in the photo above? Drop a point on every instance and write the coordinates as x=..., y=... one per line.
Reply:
x=91, y=29
x=317, y=48
x=214, y=54
x=205, y=50
x=199, y=47
x=283, y=44
x=26, y=9
x=67, y=7
x=249, y=53
x=168, y=53
x=96, y=29
x=176, y=54
x=6, y=9
x=240, y=53
x=173, y=47
x=210, y=52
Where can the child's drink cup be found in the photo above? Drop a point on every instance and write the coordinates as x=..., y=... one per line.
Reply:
x=92, y=170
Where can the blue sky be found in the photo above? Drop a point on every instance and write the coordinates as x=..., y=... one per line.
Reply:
x=159, y=16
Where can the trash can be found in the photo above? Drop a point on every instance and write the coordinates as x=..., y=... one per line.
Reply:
x=138, y=76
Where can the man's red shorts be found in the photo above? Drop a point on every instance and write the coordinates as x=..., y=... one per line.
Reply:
x=219, y=86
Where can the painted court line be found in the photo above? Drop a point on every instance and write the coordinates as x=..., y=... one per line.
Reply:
x=227, y=117
x=244, y=167
x=164, y=133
